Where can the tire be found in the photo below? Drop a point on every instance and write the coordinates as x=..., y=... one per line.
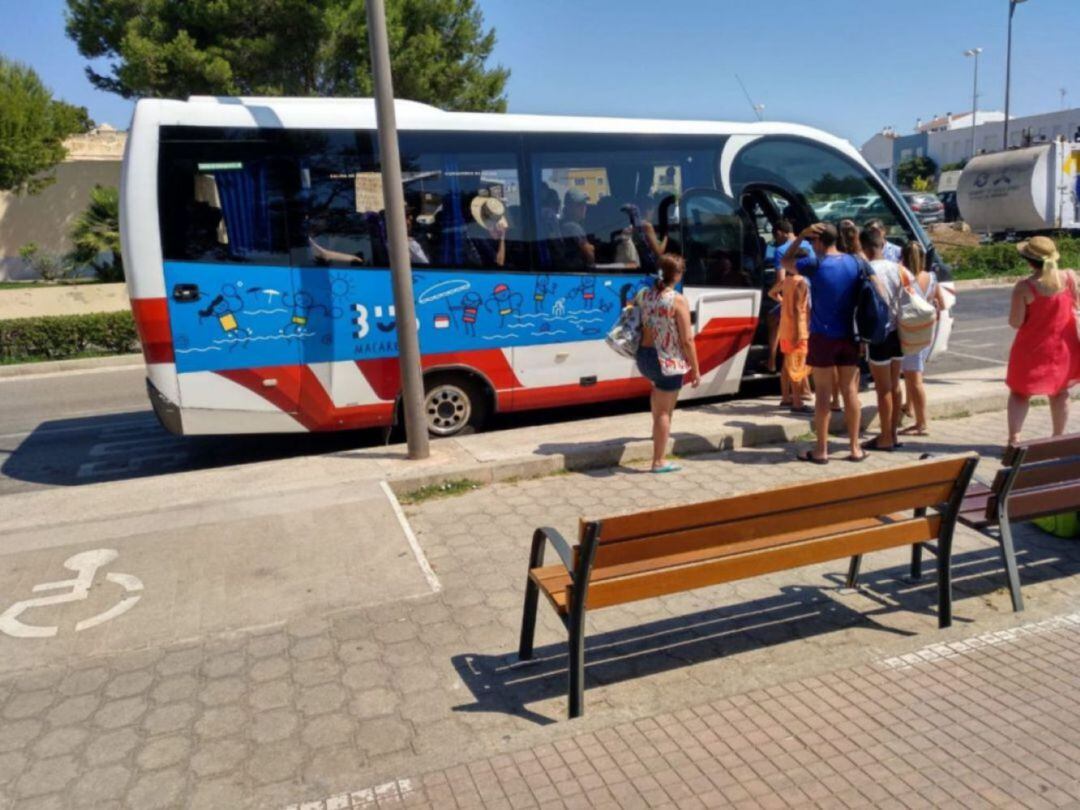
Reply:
x=453, y=405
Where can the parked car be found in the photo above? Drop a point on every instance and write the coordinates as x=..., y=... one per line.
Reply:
x=926, y=207
x=952, y=210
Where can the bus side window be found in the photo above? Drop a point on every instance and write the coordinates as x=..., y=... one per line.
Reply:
x=715, y=232
x=225, y=201
x=340, y=222
x=463, y=200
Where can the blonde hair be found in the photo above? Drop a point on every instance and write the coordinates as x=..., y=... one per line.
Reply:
x=913, y=257
x=1047, y=274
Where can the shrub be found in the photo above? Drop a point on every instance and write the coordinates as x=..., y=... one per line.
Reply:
x=47, y=266
x=64, y=336
x=1001, y=258
x=95, y=235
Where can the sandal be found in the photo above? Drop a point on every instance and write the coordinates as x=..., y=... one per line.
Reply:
x=809, y=456
x=801, y=409
x=913, y=430
x=858, y=460
x=666, y=468
x=872, y=444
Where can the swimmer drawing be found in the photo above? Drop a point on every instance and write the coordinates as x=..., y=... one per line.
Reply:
x=503, y=301
x=586, y=290
x=544, y=287
x=469, y=307
x=301, y=306
x=224, y=307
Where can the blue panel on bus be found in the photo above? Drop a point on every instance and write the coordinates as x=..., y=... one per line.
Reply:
x=248, y=316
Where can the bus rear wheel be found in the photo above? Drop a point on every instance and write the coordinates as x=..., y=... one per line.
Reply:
x=453, y=404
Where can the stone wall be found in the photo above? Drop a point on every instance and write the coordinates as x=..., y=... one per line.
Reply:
x=62, y=299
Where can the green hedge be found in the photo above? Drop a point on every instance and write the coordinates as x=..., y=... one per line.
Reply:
x=63, y=336
x=1001, y=259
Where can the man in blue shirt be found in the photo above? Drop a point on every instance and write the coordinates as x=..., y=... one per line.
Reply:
x=833, y=351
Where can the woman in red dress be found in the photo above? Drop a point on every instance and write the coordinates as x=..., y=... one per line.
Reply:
x=1045, y=356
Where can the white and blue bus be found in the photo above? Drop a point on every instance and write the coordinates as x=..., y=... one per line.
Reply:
x=255, y=245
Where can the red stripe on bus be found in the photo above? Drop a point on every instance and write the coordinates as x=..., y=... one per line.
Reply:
x=384, y=375
x=298, y=392
x=155, y=334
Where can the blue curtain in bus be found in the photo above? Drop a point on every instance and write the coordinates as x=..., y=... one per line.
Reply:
x=245, y=203
x=452, y=238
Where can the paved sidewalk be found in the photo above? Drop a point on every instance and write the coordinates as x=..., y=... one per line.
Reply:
x=987, y=722
x=307, y=708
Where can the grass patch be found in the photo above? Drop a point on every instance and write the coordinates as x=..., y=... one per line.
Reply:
x=1000, y=259
x=447, y=489
x=11, y=361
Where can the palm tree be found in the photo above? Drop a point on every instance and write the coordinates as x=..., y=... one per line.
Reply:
x=96, y=235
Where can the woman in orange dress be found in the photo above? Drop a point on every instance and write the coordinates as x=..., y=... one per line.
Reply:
x=1045, y=355
x=794, y=333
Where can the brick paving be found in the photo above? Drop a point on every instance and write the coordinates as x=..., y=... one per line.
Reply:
x=292, y=712
x=990, y=722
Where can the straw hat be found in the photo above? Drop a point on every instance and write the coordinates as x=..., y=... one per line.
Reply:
x=489, y=212
x=1039, y=249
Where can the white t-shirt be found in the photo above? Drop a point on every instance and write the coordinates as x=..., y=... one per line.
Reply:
x=889, y=273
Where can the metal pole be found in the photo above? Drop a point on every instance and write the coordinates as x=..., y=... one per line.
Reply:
x=975, y=101
x=412, y=381
x=1008, y=77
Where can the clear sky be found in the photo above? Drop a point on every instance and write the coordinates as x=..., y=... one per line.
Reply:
x=848, y=66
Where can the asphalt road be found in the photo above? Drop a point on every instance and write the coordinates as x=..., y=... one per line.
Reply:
x=77, y=428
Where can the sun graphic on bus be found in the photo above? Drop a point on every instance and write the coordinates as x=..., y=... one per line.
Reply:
x=341, y=287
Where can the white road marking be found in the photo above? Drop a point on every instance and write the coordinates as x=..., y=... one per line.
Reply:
x=85, y=565
x=935, y=653
x=995, y=328
x=989, y=360
x=392, y=792
x=414, y=544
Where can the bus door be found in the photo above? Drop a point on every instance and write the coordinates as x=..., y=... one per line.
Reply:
x=228, y=282
x=722, y=285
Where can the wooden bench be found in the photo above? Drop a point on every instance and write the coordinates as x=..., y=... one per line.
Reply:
x=1037, y=478
x=665, y=551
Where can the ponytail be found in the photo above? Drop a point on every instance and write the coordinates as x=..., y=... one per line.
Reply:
x=914, y=258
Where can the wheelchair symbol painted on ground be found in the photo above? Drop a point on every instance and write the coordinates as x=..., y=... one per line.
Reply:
x=77, y=589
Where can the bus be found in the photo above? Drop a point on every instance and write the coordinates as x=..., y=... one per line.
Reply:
x=254, y=239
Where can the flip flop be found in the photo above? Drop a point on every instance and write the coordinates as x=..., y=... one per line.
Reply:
x=667, y=468
x=911, y=430
x=873, y=445
x=809, y=456
x=801, y=409
x=858, y=460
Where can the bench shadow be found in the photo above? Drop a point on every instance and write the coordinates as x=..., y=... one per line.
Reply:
x=500, y=683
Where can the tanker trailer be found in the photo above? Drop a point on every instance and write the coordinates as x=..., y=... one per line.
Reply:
x=1022, y=191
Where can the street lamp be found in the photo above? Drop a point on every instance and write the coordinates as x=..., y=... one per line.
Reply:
x=974, y=94
x=1008, y=71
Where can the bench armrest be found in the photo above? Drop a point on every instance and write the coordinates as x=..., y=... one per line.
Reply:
x=557, y=541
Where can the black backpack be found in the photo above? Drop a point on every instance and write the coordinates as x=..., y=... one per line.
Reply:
x=871, y=310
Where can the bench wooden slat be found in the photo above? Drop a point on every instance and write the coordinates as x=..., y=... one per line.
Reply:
x=680, y=518
x=1044, y=449
x=552, y=581
x=1034, y=503
x=605, y=593
x=1040, y=475
x=770, y=524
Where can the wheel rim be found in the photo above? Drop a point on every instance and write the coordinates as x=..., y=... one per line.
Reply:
x=448, y=409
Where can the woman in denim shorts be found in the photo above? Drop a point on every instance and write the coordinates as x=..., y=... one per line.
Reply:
x=666, y=353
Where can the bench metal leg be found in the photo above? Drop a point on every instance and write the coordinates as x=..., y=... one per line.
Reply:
x=853, y=570
x=944, y=572
x=576, y=650
x=1008, y=554
x=916, y=561
x=532, y=597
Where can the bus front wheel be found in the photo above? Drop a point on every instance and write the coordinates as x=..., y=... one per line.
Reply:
x=453, y=404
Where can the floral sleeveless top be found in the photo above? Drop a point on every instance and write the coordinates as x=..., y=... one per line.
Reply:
x=658, y=313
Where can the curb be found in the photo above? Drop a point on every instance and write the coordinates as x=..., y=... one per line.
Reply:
x=986, y=283
x=79, y=364
x=617, y=453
